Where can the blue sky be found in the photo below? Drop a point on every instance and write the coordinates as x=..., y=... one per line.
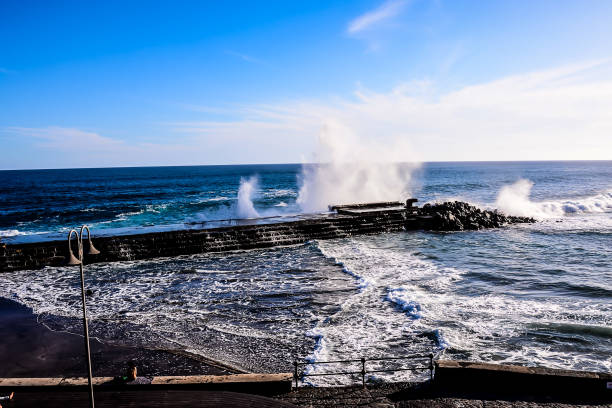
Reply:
x=86, y=84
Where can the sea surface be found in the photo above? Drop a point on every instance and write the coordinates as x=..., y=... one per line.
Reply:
x=537, y=294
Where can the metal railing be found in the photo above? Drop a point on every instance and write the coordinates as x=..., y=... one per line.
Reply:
x=364, y=370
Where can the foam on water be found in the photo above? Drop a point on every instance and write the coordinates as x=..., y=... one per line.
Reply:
x=10, y=233
x=444, y=308
x=249, y=309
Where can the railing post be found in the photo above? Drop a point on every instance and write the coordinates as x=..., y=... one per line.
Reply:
x=431, y=366
x=295, y=373
x=363, y=371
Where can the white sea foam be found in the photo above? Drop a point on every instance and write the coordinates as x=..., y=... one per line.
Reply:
x=436, y=316
x=514, y=199
x=10, y=233
x=281, y=192
x=221, y=198
x=91, y=209
x=246, y=299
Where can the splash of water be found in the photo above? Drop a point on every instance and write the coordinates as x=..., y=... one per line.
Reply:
x=353, y=169
x=514, y=199
x=245, y=207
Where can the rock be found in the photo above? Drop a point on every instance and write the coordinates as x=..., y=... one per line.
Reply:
x=459, y=216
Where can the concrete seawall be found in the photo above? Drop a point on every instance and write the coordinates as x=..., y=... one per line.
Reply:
x=508, y=380
x=219, y=236
x=192, y=241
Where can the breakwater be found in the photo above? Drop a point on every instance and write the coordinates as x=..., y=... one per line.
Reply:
x=342, y=221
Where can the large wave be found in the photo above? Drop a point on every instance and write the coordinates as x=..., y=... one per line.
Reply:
x=514, y=199
x=353, y=168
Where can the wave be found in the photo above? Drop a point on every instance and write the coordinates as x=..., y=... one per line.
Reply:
x=10, y=233
x=399, y=296
x=277, y=193
x=514, y=199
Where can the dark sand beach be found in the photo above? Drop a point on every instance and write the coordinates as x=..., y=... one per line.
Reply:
x=30, y=349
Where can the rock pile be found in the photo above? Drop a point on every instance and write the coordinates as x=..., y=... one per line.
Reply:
x=459, y=216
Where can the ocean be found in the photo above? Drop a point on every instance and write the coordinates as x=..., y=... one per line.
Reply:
x=534, y=294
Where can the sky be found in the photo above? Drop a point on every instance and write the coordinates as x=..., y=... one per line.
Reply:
x=115, y=83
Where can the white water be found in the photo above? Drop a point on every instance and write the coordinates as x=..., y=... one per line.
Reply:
x=514, y=199
x=354, y=168
x=408, y=304
x=245, y=207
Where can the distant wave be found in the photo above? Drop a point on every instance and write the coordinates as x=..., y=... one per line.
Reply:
x=514, y=199
x=283, y=192
x=10, y=233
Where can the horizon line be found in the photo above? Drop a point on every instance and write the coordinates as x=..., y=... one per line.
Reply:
x=305, y=163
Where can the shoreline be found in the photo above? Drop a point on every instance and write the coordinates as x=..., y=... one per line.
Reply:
x=31, y=349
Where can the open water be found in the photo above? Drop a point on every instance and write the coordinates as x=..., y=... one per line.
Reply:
x=538, y=294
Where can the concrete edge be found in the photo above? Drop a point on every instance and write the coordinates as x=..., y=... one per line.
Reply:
x=516, y=369
x=191, y=380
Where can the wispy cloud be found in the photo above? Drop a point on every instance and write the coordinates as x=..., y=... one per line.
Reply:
x=244, y=57
x=532, y=116
x=60, y=138
x=384, y=12
x=553, y=114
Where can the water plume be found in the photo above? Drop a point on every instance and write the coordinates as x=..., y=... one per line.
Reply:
x=352, y=168
x=514, y=199
x=245, y=207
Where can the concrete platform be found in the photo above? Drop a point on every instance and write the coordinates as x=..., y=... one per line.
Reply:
x=144, y=399
x=263, y=384
x=507, y=380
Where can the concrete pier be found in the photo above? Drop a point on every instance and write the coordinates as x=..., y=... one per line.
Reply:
x=229, y=235
x=218, y=237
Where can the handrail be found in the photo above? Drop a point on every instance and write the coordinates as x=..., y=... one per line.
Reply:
x=363, y=371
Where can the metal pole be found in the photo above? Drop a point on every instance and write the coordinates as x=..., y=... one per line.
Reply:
x=295, y=373
x=363, y=371
x=431, y=366
x=85, y=326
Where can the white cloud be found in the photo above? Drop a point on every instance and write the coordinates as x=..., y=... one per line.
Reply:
x=59, y=138
x=386, y=11
x=556, y=114
x=561, y=113
x=244, y=57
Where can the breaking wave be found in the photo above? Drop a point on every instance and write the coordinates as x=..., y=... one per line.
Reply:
x=514, y=199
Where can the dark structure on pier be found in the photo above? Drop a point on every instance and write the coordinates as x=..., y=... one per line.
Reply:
x=342, y=221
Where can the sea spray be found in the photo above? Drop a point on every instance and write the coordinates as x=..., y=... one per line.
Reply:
x=350, y=168
x=514, y=199
x=245, y=208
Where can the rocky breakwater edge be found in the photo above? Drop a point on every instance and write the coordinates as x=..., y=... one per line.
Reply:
x=460, y=216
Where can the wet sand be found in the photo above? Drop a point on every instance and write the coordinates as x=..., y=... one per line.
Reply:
x=30, y=349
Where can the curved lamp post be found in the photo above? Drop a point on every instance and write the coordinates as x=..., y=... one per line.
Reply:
x=72, y=260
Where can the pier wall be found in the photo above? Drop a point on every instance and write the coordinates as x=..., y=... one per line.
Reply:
x=183, y=242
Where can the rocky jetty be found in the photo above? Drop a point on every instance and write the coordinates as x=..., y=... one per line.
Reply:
x=459, y=216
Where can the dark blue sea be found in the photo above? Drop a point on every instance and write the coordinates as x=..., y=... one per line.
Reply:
x=537, y=294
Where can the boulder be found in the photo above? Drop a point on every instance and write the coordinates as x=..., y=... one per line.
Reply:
x=459, y=216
